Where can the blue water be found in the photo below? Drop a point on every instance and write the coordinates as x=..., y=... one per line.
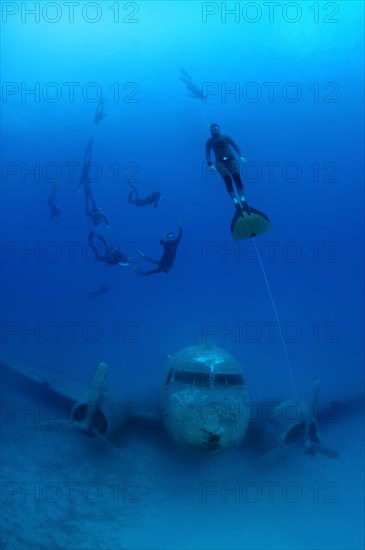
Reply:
x=297, y=114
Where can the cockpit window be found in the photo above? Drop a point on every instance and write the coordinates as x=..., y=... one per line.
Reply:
x=228, y=380
x=192, y=378
x=203, y=378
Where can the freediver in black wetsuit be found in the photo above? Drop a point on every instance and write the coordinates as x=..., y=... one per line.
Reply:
x=86, y=164
x=227, y=165
x=96, y=214
x=166, y=262
x=134, y=198
x=103, y=289
x=112, y=254
x=91, y=210
x=192, y=89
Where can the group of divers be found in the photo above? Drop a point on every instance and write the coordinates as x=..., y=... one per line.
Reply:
x=228, y=166
x=226, y=163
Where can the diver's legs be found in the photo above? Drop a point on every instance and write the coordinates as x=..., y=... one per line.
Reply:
x=239, y=186
x=151, y=260
x=88, y=152
x=101, y=239
x=229, y=185
x=51, y=200
x=231, y=192
x=90, y=242
x=90, y=196
x=148, y=258
x=89, y=199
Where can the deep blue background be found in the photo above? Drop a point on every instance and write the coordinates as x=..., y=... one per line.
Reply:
x=164, y=134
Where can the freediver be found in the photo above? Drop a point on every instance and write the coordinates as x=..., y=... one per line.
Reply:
x=112, y=255
x=227, y=165
x=134, y=198
x=91, y=210
x=195, y=92
x=86, y=164
x=103, y=289
x=166, y=262
x=51, y=202
x=99, y=113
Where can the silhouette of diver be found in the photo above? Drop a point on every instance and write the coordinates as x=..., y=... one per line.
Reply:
x=112, y=255
x=99, y=113
x=96, y=214
x=227, y=165
x=134, y=198
x=166, y=262
x=51, y=202
x=86, y=164
x=103, y=289
x=195, y=92
x=91, y=210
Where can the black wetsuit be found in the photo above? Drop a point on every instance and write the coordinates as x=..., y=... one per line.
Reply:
x=112, y=254
x=91, y=210
x=221, y=146
x=226, y=163
x=84, y=179
x=97, y=216
x=166, y=262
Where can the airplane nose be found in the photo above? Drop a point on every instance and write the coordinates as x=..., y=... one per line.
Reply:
x=204, y=400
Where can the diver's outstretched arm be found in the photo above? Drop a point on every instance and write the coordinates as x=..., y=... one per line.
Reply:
x=180, y=234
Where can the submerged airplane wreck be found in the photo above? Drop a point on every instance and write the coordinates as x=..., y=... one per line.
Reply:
x=203, y=407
